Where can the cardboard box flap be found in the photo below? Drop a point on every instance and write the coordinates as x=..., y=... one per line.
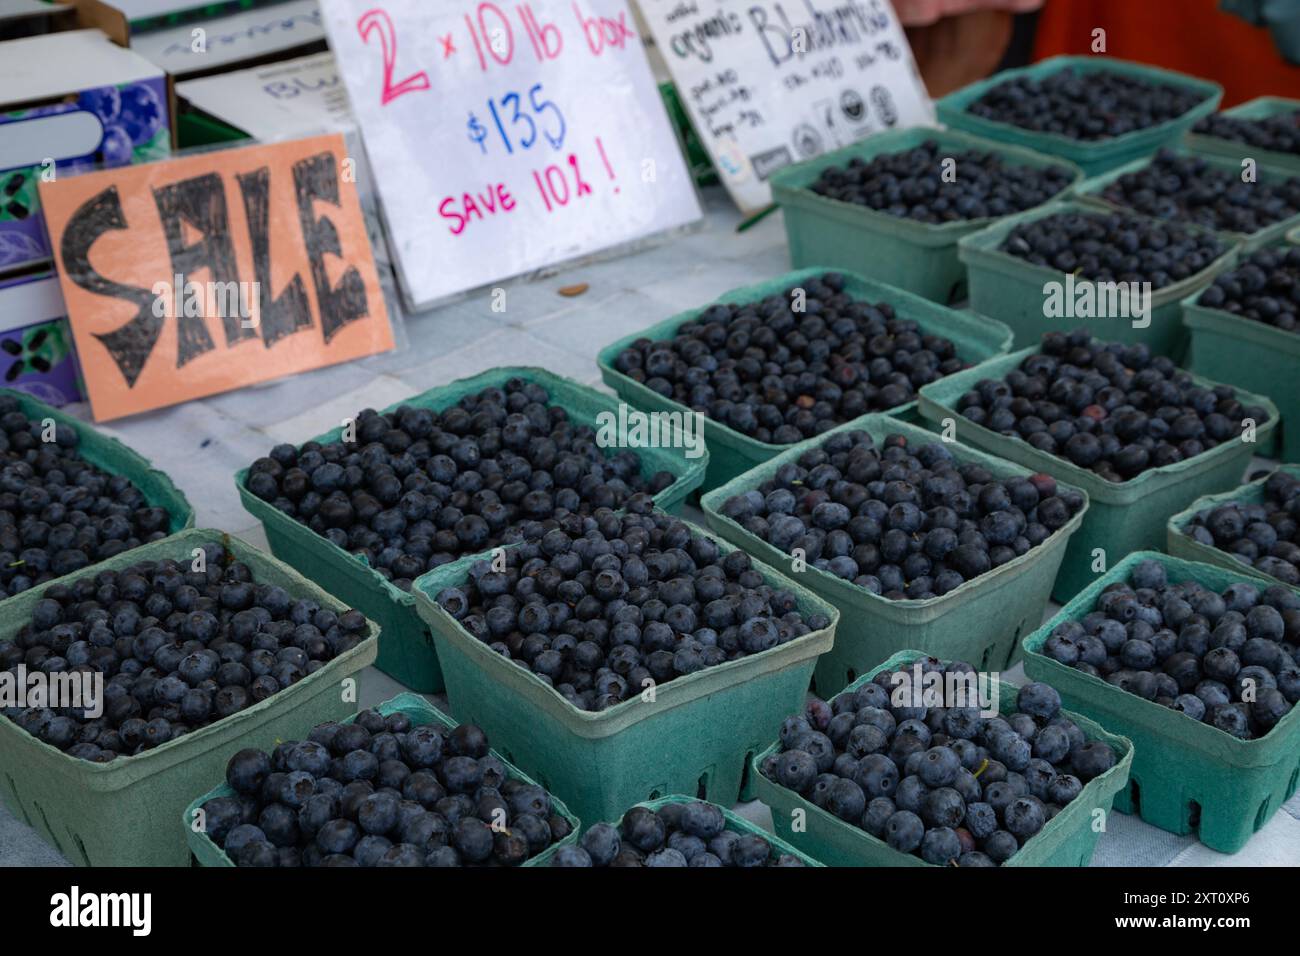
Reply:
x=57, y=64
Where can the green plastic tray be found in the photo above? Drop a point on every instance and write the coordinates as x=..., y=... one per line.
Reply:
x=124, y=813
x=110, y=455
x=982, y=621
x=1092, y=156
x=1181, y=545
x=406, y=652
x=1246, y=353
x=916, y=256
x=1261, y=107
x=1123, y=516
x=1187, y=776
x=730, y=452
x=1068, y=839
x=1089, y=192
x=735, y=823
x=1012, y=289
x=696, y=736
x=421, y=712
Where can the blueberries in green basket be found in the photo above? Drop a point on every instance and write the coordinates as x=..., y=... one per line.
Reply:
x=686, y=834
x=1093, y=105
x=58, y=512
x=415, y=489
x=173, y=645
x=910, y=183
x=321, y=808
x=1263, y=287
x=921, y=522
x=1279, y=133
x=1227, y=660
x=1174, y=186
x=943, y=788
x=794, y=364
x=1119, y=396
x=671, y=605
x=1265, y=535
x=1113, y=247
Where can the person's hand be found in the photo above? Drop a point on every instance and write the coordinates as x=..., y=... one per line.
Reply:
x=956, y=42
x=923, y=13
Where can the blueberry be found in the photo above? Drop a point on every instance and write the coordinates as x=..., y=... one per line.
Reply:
x=940, y=846
x=1039, y=700
x=602, y=843
x=571, y=856
x=904, y=831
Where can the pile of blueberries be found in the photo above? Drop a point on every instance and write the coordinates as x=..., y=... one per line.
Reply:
x=900, y=521
x=419, y=488
x=1188, y=188
x=1114, y=247
x=677, y=834
x=58, y=512
x=600, y=607
x=947, y=782
x=381, y=791
x=791, y=366
x=910, y=184
x=1084, y=106
x=178, y=648
x=1265, y=288
x=1111, y=408
x=1229, y=660
x=1263, y=536
x=1279, y=132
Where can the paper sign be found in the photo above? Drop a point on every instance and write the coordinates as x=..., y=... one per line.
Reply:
x=506, y=137
x=290, y=98
x=194, y=276
x=768, y=83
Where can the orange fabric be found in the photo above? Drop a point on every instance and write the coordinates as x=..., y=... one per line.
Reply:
x=1191, y=36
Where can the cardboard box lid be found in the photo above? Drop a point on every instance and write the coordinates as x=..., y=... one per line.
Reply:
x=56, y=64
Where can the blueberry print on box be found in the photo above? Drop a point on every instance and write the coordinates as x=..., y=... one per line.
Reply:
x=134, y=127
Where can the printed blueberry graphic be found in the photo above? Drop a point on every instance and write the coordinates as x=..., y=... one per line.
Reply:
x=116, y=148
x=39, y=349
x=141, y=113
x=105, y=102
x=17, y=194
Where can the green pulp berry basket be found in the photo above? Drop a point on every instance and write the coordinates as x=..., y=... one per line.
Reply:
x=406, y=652
x=1068, y=839
x=1246, y=353
x=124, y=813
x=980, y=621
x=734, y=822
x=1262, y=107
x=695, y=736
x=420, y=712
x=1180, y=544
x=1187, y=776
x=730, y=452
x=1122, y=516
x=1092, y=156
x=1015, y=290
x=916, y=256
x=115, y=458
x=1090, y=192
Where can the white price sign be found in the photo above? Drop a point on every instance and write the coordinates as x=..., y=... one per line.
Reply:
x=768, y=83
x=506, y=137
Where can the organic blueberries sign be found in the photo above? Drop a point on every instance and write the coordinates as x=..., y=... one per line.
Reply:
x=506, y=137
x=773, y=82
x=276, y=235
